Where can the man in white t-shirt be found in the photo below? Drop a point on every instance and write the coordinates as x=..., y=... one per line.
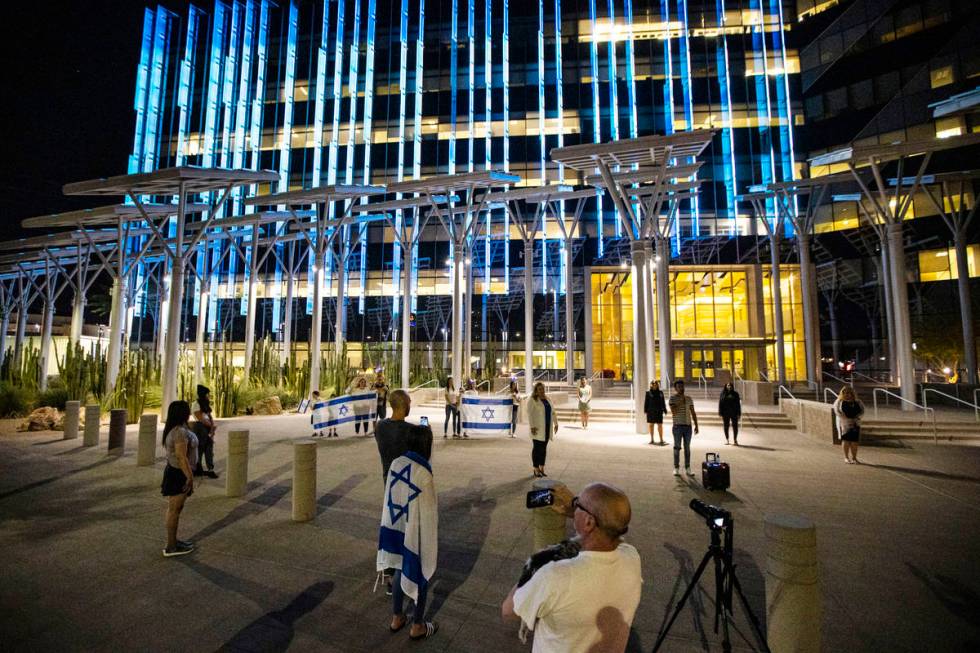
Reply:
x=585, y=603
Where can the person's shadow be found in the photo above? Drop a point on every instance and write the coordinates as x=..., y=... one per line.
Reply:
x=614, y=632
x=464, y=522
x=274, y=631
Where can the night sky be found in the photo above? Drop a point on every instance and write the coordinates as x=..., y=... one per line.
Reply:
x=69, y=76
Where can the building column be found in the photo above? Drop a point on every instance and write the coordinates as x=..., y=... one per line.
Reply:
x=834, y=329
x=252, y=300
x=806, y=283
x=587, y=320
x=638, y=278
x=406, y=291
x=903, y=330
x=648, y=281
x=777, y=308
x=4, y=325
x=202, y=320
x=287, y=311
x=569, y=316
x=457, y=315
x=171, y=353
x=114, y=348
x=663, y=313
x=163, y=310
x=340, y=319
x=529, y=315
x=77, y=317
x=886, y=286
x=317, y=325
x=966, y=308
x=21, y=330
x=45, y=350
x=468, y=320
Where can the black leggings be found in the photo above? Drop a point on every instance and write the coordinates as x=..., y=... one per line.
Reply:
x=539, y=450
x=733, y=421
x=513, y=419
x=382, y=409
x=452, y=415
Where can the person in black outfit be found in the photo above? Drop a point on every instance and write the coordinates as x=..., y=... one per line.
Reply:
x=395, y=436
x=655, y=406
x=730, y=410
x=204, y=428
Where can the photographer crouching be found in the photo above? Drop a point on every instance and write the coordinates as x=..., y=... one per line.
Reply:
x=581, y=594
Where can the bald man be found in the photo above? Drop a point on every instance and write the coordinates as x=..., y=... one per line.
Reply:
x=585, y=603
x=395, y=436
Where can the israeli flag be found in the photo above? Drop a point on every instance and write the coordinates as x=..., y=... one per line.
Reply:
x=486, y=414
x=342, y=412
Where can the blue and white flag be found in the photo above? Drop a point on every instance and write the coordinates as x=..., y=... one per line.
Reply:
x=486, y=414
x=345, y=412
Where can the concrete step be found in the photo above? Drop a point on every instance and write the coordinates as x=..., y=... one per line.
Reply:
x=917, y=428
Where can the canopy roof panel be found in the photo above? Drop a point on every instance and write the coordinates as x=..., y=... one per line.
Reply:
x=168, y=181
x=318, y=195
x=105, y=215
x=530, y=194
x=861, y=154
x=645, y=150
x=447, y=184
x=646, y=174
x=260, y=218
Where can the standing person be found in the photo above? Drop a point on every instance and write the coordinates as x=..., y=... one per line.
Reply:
x=395, y=436
x=318, y=415
x=204, y=428
x=181, y=446
x=544, y=424
x=360, y=385
x=452, y=410
x=583, y=596
x=655, y=406
x=730, y=410
x=584, y=401
x=682, y=412
x=848, y=409
x=470, y=390
x=515, y=406
x=381, y=387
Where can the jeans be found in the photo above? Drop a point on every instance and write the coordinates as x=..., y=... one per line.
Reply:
x=452, y=416
x=398, y=599
x=357, y=424
x=733, y=421
x=682, y=434
x=205, y=447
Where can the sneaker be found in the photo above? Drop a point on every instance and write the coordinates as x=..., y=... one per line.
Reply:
x=687, y=470
x=211, y=473
x=677, y=472
x=185, y=543
x=182, y=548
x=388, y=588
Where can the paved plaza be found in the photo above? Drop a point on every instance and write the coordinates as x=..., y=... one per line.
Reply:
x=81, y=535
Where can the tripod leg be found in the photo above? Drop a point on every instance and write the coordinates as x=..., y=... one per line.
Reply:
x=754, y=620
x=687, y=593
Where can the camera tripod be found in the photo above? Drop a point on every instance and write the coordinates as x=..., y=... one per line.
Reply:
x=725, y=581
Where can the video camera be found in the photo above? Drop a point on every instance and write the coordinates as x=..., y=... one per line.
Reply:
x=716, y=518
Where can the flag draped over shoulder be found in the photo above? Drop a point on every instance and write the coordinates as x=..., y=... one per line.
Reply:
x=343, y=412
x=409, y=535
x=486, y=414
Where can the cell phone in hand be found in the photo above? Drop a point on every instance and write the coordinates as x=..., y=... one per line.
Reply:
x=423, y=421
x=540, y=498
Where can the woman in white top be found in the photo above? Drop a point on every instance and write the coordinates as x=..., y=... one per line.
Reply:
x=470, y=390
x=515, y=406
x=848, y=409
x=544, y=424
x=178, y=479
x=584, y=401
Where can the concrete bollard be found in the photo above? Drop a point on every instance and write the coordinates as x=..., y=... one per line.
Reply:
x=72, y=409
x=146, y=450
x=304, y=481
x=90, y=436
x=117, y=431
x=236, y=474
x=549, y=526
x=793, y=602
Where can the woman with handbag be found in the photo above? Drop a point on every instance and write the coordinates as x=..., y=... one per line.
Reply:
x=544, y=424
x=848, y=409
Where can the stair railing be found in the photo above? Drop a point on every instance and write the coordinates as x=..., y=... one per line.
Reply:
x=834, y=394
x=974, y=406
x=928, y=411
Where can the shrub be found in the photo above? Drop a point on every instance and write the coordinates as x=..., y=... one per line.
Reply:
x=54, y=397
x=15, y=401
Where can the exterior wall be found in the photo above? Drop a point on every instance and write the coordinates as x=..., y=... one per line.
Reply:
x=812, y=418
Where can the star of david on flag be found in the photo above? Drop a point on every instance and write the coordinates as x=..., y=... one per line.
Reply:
x=398, y=510
x=341, y=413
x=486, y=414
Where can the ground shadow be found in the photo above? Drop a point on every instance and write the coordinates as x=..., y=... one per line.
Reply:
x=274, y=631
x=695, y=605
x=885, y=444
x=77, y=449
x=46, y=442
x=338, y=492
x=52, y=479
x=925, y=472
x=759, y=447
x=959, y=599
x=252, y=506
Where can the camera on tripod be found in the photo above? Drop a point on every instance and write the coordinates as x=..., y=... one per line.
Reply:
x=714, y=516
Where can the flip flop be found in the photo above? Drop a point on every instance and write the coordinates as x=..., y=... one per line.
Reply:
x=431, y=628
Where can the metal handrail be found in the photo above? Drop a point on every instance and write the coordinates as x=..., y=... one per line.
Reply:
x=865, y=376
x=780, y=392
x=487, y=383
x=764, y=376
x=429, y=382
x=825, y=391
x=926, y=374
x=975, y=407
x=701, y=377
x=837, y=378
x=874, y=398
x=976, y=395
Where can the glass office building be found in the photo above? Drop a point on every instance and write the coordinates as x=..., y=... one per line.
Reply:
x=376, y=91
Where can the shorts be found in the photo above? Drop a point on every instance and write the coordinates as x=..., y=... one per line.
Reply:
x=173, y=482
x=852, y=434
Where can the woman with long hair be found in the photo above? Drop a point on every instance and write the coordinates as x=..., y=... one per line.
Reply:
x=848, y=410
x=360, y=385
x=584, y=401
x=452, y=410
x=204, y=428
x=381, y=387
x=515, y=406
x=655, y=405
x=178, y=478
x=730, y=410
x=544, y=424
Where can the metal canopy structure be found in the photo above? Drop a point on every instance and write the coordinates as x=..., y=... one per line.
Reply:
x=657, y=161
x=179, y=182
x=888, y=206
x=326, y=232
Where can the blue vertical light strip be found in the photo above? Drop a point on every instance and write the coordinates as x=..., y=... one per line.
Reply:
x=366, y=131
x=320, y=89
x=669, y=127
x=471, y=47
x=402, y=83
x=338, y=77
x=228, y=86
x=185, y=84
x=142, y=81
x=541, y=141
x=597, y=121
x=417, y=135
x=631, y=70
x=787, y=149
x=560, y=98
x=506, y=89
x=209, y=147
x=241, y=116
x=352, y=78
x=613, y=84
x=453, y=83
x=767, y=167
x=729, y=170
x=154, y=112
x=488, y=135
x=686, y=82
